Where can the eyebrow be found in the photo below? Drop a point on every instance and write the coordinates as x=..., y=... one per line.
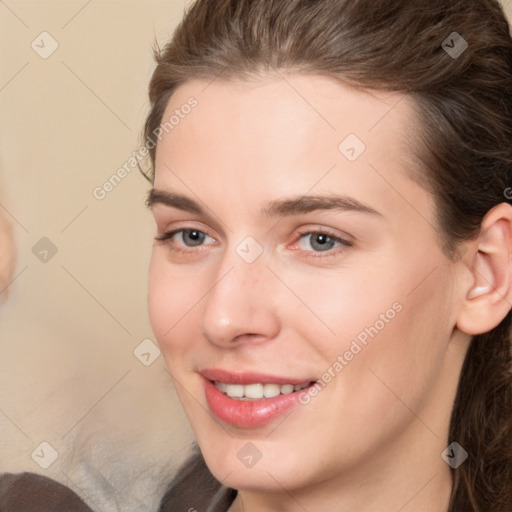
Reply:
x=298, y=205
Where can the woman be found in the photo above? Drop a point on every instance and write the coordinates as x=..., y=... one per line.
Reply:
x=330, y=283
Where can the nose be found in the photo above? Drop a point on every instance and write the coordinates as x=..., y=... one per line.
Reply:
x=240, y=306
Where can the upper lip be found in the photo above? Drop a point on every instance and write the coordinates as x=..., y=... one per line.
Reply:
x=227, y=377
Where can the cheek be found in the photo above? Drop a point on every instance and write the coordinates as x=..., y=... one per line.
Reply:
x=401, y=362
x=175, y=301
x=159, y=298
x=167, y=302
x=391, y=325
x=338, y=306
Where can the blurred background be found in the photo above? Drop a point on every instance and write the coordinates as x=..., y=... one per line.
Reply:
x=84, y=394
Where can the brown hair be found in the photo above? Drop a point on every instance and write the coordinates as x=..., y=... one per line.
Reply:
x=463, y=147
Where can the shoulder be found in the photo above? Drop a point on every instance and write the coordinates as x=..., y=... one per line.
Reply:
x=26, y=492
x=195, y=488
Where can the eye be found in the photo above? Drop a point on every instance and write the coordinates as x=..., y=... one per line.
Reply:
x=189, y=238
x=322, y=242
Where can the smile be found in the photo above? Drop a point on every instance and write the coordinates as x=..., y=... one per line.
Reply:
x=258, y=391
x=251, y=400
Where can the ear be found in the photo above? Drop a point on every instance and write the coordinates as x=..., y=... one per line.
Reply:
x=487, y=291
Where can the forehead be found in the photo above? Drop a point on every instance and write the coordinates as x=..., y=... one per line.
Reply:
x=303, y=115
x=288, y=134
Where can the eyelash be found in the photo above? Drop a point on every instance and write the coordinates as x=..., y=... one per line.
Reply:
x=344, y=244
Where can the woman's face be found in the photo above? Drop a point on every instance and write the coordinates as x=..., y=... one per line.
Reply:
x=301, y=256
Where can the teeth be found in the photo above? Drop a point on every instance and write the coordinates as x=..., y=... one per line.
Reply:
x=221, y=386
x=253, y=390
x=271, y=390
x=258, y=391
x=235, y=390
x=286, y=389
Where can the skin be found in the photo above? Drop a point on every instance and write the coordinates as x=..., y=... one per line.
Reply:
x=7, y=257
x=372, y=439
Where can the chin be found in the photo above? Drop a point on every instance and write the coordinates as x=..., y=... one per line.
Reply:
x=249, y=465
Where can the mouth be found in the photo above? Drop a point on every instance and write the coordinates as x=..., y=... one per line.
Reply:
x=258, y=391
x=250, y=400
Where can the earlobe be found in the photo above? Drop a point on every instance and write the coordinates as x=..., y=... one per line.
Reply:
x=488, y=298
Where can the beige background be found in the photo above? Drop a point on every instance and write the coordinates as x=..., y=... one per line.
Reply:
x=68, y=373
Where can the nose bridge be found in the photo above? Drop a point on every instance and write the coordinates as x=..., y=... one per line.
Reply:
x=240, y=299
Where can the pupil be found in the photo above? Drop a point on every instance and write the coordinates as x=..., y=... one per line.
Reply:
x=194, y=237
x=323, y=242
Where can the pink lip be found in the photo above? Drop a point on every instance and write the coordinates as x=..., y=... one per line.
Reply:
x=245, y=413
x=249, y=377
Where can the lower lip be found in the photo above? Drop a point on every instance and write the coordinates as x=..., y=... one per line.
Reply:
x=248, y=413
